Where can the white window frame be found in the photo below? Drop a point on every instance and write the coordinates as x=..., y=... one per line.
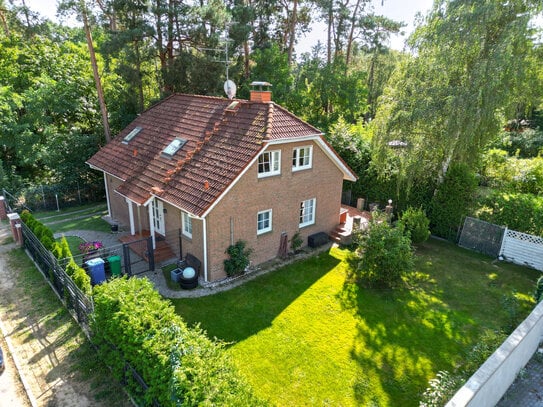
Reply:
x=274, y=162
x=304, y=154
x=186, y=224
x=307, y=218
x=268, y=228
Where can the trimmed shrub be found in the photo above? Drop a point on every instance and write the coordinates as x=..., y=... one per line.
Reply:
x=82, y=280
x=521, y=212
x=239, y=258
x=416, y=224
x=453, y=200
x=385, y=253
x=181, y=366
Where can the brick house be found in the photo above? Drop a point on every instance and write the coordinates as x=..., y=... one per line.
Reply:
x=204, y=172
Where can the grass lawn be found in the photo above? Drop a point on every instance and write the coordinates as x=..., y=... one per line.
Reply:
x=304, y=335
x=85, y=217
x=70, y=212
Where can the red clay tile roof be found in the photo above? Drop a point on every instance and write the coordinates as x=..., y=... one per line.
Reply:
x=220, y=143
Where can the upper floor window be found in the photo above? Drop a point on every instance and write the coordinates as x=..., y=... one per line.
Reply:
x=301, y=158
x=307, y=212
x=187, y=224
x=269, y=163
x=264, y=221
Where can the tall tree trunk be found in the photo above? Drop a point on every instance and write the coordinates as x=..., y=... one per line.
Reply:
x=351, y=34
x=329, y=39
x=371, y=81
x=292, y=29
x=98, y=83
x=141, y=102
x=4, y=22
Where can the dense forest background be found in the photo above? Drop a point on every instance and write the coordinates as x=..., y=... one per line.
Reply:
x=462, y=99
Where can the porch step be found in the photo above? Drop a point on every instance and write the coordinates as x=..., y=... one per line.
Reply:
x=163, y=252
x=340, y=235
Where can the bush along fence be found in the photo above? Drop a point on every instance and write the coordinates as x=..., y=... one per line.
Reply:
x=149, y=348
x=73, y=288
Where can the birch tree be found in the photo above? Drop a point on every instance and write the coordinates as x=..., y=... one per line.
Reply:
x=447, y=101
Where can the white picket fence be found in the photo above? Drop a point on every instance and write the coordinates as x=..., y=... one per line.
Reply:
x=521, y=248
x=506, y=244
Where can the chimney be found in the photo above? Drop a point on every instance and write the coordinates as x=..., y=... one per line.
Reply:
x=260, y=92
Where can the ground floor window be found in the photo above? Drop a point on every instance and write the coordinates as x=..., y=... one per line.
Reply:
x=307, y=212
x=187, y=225
x=264, y=221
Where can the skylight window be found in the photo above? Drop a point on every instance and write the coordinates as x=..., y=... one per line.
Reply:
x=173, y=147
x=131, y=135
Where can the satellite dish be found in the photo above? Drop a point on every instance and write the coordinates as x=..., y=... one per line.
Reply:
x=230, y=89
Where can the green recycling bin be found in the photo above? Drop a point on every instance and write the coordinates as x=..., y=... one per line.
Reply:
x=114, y=265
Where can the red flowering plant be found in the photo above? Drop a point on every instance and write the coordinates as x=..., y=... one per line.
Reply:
x=90, y=247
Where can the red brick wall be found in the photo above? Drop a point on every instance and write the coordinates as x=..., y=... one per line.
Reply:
x=283, y=194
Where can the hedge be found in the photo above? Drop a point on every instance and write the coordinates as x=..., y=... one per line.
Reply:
x=133, y=324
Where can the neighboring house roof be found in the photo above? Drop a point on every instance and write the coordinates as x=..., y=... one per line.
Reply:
x=218, y=139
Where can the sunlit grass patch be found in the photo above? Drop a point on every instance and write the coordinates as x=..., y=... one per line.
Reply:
x=307, y=334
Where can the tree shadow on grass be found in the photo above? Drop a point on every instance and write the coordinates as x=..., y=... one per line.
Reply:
x=404, y=336
x=237, y=314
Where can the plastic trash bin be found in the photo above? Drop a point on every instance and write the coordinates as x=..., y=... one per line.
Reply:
x=96, y=270
x=114, y=265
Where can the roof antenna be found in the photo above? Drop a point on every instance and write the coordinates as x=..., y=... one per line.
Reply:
x=229, y=86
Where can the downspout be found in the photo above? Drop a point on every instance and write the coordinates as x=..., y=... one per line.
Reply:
x=107, y=196
x=205, y=248
x=131, y=216
x=152, y=224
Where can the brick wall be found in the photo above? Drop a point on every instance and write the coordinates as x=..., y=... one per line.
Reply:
x=236, y=214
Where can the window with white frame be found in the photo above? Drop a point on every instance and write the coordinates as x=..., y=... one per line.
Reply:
x=187, y=225
x=269, y=163
x=301, y=158
x=307, y=212
x=264, y=221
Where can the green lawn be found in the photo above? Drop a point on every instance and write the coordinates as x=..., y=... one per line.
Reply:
x=85, y=217
x=304, y=335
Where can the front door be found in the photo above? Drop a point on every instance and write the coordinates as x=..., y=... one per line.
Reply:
x=158, y=216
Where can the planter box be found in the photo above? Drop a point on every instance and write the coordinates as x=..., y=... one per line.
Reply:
x=175, y=274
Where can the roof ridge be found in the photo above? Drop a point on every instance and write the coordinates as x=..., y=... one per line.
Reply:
x=269, y=120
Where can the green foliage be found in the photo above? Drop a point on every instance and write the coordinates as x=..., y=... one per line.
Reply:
x=42, y=232
x=521, y=212
x=385, y=253
x=239, y=258
x=82, y=280
x=181, y=366
x=440, y=389
x=512, y=173
x=430, y=102
x=296, y=241
x=416, y=223
x=445, y=384
x=71, y=267
x=524, y=143
x=453, y=200
x=511, y=306
x=538, y=295
x=487, y=344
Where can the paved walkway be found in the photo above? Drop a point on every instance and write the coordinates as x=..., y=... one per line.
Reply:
x=527, y=389
x=157, y=278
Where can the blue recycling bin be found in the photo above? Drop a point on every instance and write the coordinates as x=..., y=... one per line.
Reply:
x=96, y=270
